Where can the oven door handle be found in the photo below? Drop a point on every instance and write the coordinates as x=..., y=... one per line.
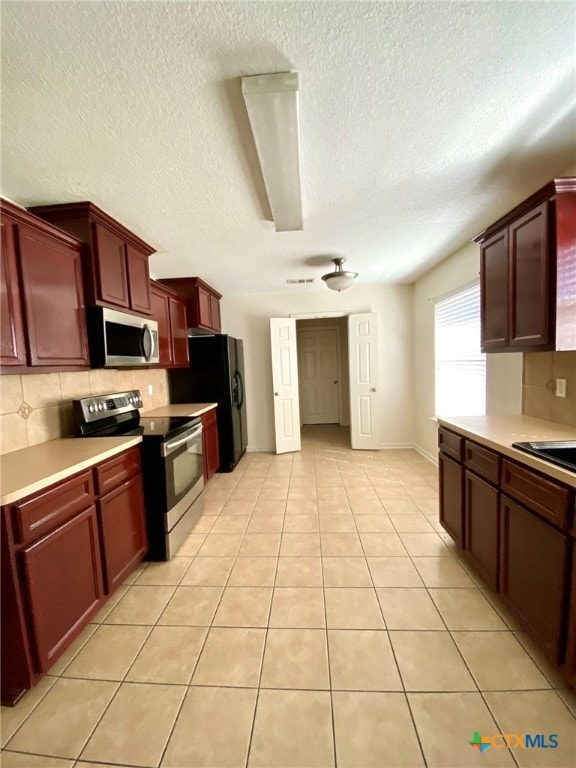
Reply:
x=171, y=445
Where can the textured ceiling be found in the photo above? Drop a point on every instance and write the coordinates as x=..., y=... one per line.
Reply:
x=420, y=124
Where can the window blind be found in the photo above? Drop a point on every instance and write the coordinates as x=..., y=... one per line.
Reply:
x=460, y=366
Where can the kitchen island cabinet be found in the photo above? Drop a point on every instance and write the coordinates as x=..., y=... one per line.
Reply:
x=65, y=549
x=527, y=273
x=43, y=322
x=115, y=266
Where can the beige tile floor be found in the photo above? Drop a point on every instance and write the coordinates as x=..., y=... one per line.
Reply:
x=317, y=616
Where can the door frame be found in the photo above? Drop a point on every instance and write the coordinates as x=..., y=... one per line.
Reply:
x=338, y=363
x=346, y=314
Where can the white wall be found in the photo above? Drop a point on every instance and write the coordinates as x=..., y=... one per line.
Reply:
x=247, y=316
x=503, y=371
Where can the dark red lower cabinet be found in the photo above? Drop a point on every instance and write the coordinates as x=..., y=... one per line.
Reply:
x=63, y=584
x=481, y=527
x=570, y=658
x=452, y=498
x=534, y=574
x=210, y=444
x=63, y=551
x=123, y=528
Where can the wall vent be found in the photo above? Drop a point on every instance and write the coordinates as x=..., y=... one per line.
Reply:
x=300, y=281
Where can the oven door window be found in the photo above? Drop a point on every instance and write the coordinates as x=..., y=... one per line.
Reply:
x=183, y=469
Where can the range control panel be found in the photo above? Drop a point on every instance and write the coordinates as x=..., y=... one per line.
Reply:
x=102, y=406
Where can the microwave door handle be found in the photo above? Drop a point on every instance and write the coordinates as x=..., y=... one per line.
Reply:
x=147, y=342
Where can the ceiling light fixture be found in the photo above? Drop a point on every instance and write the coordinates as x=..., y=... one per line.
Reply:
x=272, y=105
x=339, y=280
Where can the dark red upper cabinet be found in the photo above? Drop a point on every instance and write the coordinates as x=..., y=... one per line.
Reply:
x=43, y=318
x=202, y=303
x=528, y=273
x=138, y=280
x=169, y=310
x=116, y=260
x=112, y=279
x=179, y=330
x=494, y=291
x=13, y=348
x=530, y=266
x=161, y=313
x=53, y=300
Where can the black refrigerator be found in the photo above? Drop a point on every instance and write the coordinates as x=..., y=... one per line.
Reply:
x=216, y=374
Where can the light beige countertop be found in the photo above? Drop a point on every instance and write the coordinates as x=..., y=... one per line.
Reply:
x=181, y=409
x=31, y=469
x=499, y=432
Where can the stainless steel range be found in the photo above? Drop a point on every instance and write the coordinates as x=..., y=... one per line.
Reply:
x=171, y=463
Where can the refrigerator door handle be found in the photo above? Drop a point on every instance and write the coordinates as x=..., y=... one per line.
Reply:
x=240, y=389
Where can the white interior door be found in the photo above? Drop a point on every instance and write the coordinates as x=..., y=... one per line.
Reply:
x=318, y=368
x=285, y=383
x=364, y=384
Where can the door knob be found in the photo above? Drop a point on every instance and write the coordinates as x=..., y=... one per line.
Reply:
x=373, y=389
x=276, y=394
x=336, y=382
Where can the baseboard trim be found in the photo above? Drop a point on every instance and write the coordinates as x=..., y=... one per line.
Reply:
x=395, y=446
x=429, y=456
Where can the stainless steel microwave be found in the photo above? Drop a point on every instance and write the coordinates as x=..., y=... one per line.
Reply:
x=118, y=340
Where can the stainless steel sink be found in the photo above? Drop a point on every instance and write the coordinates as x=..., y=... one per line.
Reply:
x=562, y=453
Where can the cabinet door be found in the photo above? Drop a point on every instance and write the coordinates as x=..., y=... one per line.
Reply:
x=138, y=280
x=161, y=313
x=570, y=659
x=530, y=305
x=451, y=498
x=112, y=279
x=482, y=528
x=494, y=291
x=533, y=573
x=63, y=582
x=210, y=444
x=204, y=308
x=215, y=313
x=179, y=331
x=123, y=529
x=53, y=300
x=13, y=348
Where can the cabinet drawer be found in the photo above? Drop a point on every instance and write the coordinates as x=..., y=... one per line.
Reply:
x=45, y=511
x=450, y=443
x=483, y=461
x=115, y=471
x=536, y=492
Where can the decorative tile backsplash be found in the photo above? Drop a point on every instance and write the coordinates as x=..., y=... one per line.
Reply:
x=541, y=369
x=38, y=407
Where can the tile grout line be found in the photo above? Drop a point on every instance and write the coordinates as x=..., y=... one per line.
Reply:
x=255, y=712
x=332, y=718
x=416, y=733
